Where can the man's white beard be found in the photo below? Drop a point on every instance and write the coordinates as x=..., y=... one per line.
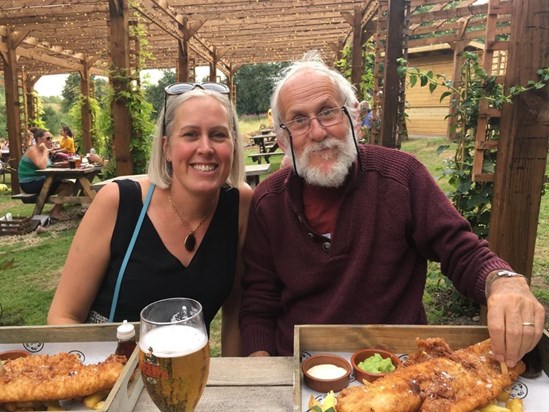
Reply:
x=335, y=175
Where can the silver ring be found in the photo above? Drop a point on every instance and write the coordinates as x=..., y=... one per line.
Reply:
x=528, y=324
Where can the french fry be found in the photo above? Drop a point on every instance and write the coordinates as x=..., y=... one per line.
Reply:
x=53, y=406
x=514, y=405
x=503, y=396
x=99, y=405
x=504, y=369
x=91, y=400
x=494, y=408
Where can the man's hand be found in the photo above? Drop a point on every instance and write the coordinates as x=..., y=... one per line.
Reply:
x=515, y=319
x=259, y=353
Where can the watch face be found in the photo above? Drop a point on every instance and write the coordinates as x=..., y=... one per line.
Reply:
x=507, y=273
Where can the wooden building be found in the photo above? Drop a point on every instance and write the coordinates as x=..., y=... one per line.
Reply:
x=426, y=113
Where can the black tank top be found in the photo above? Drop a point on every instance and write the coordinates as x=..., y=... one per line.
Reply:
x=153, y=273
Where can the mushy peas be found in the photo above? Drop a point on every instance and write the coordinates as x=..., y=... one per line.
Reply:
x=377, y=364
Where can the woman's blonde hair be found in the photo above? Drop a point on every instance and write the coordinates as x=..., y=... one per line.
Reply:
x=160, y=171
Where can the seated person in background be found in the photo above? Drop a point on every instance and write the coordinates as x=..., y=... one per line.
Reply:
x=37, y=157
x=67, y=141
x=365, y=114
x=363, y=221
x=66, y=145
x=193, y=230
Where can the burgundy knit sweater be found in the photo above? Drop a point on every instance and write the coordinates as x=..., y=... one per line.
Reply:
x=373, y=269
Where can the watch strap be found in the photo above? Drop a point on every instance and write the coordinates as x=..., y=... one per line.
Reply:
x=499, y=274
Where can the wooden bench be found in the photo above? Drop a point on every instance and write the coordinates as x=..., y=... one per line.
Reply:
x=253, y=172
x=258, y=157
x=26, y=197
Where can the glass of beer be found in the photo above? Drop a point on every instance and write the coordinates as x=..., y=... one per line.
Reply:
x=174, y=353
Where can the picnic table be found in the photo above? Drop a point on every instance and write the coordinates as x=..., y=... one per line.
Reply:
x=82, y=193
x=266, y=141
x=262, y=141
x=242, y=384
x=253, y=172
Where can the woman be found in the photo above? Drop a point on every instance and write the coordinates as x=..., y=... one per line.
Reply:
x=37, y=157
x=190, y=240
x=67, y=141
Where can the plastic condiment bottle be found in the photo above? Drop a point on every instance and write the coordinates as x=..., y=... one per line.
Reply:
x=125, y=334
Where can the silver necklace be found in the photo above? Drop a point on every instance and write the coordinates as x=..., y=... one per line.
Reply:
x=190, y=239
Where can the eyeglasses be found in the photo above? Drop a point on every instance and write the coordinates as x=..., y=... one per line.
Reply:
x=328, y=117
x=48, y=137
x=301, y=124
x=181, y=88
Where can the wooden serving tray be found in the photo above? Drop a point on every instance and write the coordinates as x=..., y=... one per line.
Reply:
x=395, y=338
x=124, y=394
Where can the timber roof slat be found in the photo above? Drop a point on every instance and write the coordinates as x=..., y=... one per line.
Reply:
x=244, y=31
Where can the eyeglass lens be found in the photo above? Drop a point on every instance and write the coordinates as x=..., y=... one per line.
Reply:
x=326, y=118
x=180, y=88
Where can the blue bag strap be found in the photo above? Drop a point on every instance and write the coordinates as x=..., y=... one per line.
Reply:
x=129, y=251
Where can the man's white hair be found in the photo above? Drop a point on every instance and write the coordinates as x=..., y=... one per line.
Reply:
x=312, y=61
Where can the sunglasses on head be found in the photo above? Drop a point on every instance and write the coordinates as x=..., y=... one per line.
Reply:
x=181, y=88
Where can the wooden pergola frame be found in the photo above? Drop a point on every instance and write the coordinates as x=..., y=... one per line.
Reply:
x=42, y=37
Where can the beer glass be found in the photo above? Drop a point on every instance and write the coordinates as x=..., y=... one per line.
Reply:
x=174, y=353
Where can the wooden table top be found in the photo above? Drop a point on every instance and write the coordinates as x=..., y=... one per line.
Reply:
x=68, y=173
x=242, y=384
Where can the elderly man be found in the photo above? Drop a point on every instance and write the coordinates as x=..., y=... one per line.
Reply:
x=343, y=236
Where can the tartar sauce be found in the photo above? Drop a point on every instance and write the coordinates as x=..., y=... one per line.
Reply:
x=326, y=371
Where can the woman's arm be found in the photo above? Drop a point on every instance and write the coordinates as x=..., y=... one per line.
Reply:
x=39, y=155
x=87, y=260
x=230, y=332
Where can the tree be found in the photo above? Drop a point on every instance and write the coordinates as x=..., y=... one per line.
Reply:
x=71, y=91
x=254, y=85
x=154, y=93
x=52, y=115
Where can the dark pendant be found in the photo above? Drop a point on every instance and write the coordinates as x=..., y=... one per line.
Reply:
x=190, y=242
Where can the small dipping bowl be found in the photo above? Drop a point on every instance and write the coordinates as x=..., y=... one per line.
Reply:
x=328, y=384
x=359, y=356
x=13, y=354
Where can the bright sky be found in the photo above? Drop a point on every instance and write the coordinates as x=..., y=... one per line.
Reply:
x=52, y=85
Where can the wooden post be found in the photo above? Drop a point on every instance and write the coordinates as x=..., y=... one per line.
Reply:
x=86, y=109
x=523, y=143
x=458, y=47
x=13, y=111
x=183, y=61
x=356, y=64
x=213, y=67
x=120, y=52
x=391, y=82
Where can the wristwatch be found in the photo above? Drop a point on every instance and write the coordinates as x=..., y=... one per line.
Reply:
x=500, y=274
x=506, y=274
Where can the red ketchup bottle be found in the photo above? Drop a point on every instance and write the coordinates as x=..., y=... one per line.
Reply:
x=125, y=334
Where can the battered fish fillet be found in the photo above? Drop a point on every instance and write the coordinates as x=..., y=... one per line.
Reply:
x=436, y=379
x=54, y=377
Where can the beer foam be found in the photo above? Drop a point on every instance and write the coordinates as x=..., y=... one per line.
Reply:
x=173, y=341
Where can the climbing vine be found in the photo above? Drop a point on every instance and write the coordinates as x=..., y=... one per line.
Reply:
x=472, y=199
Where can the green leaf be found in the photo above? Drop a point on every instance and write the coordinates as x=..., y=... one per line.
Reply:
x=443, y=95
x=424, y=80
x=432, y=87
x=413, y=80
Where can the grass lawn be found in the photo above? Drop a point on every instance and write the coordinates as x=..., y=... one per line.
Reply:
x=30, y=264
